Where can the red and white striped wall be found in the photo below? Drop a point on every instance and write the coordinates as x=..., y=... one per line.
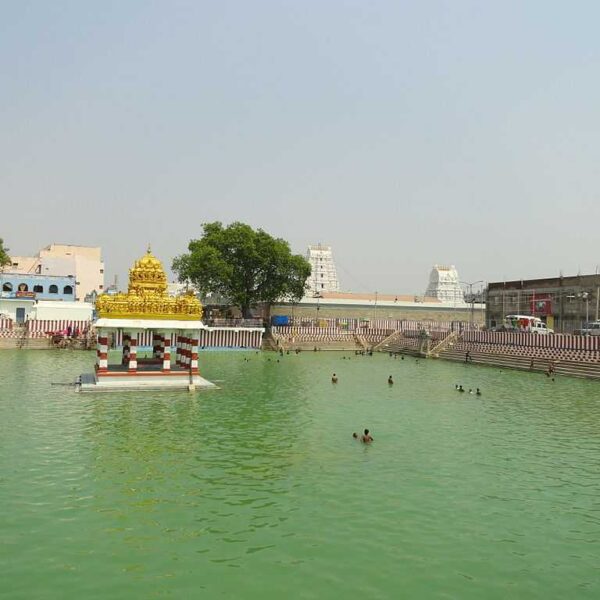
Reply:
x=358, y=325
x=5, y=323
x=532, y=340
x=230, y=338
x=218, y=337
x=56, y=325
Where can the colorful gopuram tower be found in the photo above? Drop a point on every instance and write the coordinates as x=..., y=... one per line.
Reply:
x=147, y=312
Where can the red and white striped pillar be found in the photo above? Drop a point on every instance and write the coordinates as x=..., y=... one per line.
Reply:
x=185, y=359
x=161, y=345
x=194, y=355
x=178, y=350
x=102, y=353
x=132, y=365
x=166, y=353
x=126, y=348
x=155, y=345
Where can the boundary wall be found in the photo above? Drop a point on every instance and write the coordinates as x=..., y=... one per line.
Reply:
x=213, y=337
x=533, y=340
x=41, y=328
x=361, y=325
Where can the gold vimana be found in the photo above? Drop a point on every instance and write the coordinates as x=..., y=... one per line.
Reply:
x=147, y=296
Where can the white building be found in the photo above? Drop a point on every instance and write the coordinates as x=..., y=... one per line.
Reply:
x=82, y=262
x=444, y=285
x=24, y=309
x=323, y=277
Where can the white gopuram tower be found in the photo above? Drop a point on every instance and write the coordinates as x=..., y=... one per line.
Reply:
x=323, y=277
x=445, y=285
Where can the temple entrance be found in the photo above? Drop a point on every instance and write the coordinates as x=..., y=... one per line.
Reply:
x=20, y=316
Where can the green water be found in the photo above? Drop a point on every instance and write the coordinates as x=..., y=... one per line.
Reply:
x=258, y=490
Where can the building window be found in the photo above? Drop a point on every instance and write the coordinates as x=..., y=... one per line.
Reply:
x=7, y=287
x=67, y=289
x=23, y=287
x=101, y=270
x=53, y=289
x=100, y=286
x=38, y=289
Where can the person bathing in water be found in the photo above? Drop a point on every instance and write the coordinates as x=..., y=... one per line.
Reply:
x=390, y=380
x=365, y=438
x=334, y=378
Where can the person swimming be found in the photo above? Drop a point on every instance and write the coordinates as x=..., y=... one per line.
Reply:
x=334, y=378
x=478, y=392
x=390, y=380
x=470, y=391
x=366, y=437
x=456, y=386
x=461, y=389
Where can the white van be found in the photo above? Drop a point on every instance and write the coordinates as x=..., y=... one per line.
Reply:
x=526, y=323
x=592, y=328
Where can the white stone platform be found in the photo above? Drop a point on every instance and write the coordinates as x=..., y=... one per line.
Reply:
x=90, y=382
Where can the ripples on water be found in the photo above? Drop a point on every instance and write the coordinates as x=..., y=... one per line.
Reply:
x=258, y=490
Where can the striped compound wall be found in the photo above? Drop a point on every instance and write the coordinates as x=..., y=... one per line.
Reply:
x=211, y=338
x=358, y=325
x=52, y=326
x=41, y=328
x=532, y=340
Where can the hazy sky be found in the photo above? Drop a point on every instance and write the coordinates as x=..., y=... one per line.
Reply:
x=402, y=133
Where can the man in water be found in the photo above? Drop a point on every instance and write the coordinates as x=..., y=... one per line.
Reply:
x=390, y=380
x=334, y=378
x=366, y=437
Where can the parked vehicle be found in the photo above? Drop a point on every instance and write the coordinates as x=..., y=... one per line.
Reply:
x=592, y=328
x=526, y=323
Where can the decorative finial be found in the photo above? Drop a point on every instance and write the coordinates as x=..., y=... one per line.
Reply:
x=149, y=251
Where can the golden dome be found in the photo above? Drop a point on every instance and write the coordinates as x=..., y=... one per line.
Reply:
x=147, y=275
x=147, y=297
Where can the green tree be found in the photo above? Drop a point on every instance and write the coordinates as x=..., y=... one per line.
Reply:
x=4, y=257
x=245, y=265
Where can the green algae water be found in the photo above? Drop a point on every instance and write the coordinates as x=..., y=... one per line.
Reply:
x=258, y=490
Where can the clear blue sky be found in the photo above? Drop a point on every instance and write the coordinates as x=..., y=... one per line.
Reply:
x=401, y=133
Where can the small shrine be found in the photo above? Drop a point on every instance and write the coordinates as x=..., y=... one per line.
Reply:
x=147, y=313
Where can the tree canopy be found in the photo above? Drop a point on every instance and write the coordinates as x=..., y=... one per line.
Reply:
x=245, y=265
x=4, y=257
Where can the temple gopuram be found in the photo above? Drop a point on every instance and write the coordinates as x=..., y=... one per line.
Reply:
x=146, y=310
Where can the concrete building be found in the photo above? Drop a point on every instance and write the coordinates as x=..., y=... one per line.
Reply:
x=38, y=287
x=323, y=277
x=563, y=303
x=82, y=263
x=444, y=285
x=16, y=309
x=22, y=309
